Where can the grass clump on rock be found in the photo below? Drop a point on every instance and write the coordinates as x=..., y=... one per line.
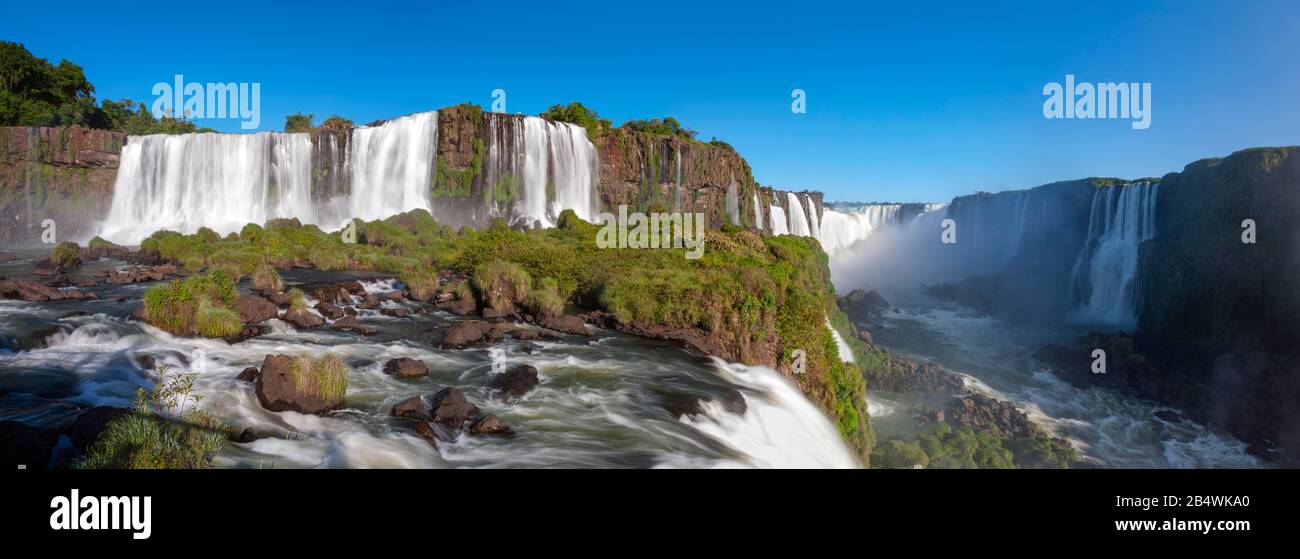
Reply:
x=266, y=279
x=66, y=255
x=181, y=306
x=545, y=301
x=502, y=284
x=326, y=378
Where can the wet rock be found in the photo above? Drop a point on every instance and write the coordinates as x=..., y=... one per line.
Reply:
x=336, y=294
x=515, y=381
x=276, y=391
x=413, y=408
x=330, y=310
x=862, y=305
x=28, y=291
x=303, y=319
x=981, y=412
x=352, y=311
x=395, y=296
x=369, y=302
x=350, y=323
x=145, y=362
x=489, y=425
x=85, y=430
x=253, y=309
x=248, y=331
x=569, y=324
x=405, y=367
x=464, y=334
x=426, y=432
x=459, y=307
x=499, y=330
x=75, y=314
x=399, y=312
x=450, y=408
x=22, y=444
x=247, y=435
x=249, y=374
x=866, y=338
x=282, y=300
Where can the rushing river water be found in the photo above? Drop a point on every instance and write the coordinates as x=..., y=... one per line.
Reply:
x=602, y=401
x=1108, y=428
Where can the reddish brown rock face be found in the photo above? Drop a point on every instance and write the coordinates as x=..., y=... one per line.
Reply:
x=64, y=174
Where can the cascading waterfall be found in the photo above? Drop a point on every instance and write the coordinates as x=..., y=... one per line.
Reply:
x=221, y=181
x=758, y=212
x=558, y=159
x=733, y=202
x=392, y=164
x=779, y=226
x=677, y=184
x=1102, y=285
x=814, y=223
x=840, y=230
x=798, y=219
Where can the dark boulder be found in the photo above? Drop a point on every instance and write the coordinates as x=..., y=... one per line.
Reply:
x=249, y=374
x=862, y=305
x=281, y=299
x=85, y=430
x=405, y=367
x=569, y=324
x=515, y=381
x=413, y=408
x=489, y=425
x=303, y=319
x=253, y=309
x=450, y=408
x=398, y=312
x=276, y=390
x=350, y=323
x=330, y=310
x=464, y=333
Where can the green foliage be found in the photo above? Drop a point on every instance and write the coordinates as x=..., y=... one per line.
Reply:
x=501, y=283
x=336, y=122
x=326, y=377
x=297, y=300
x=899, y=454
x=576, y=113
x=98, y=243
x=175, y=306
x=216, y=322
x=545, y=301
x=145, y=438
x=948, y=448
x=668, y=126
x=421, y=282
x=66, y=255
x=298, y=122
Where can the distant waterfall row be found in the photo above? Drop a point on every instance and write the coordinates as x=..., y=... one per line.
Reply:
x=224, y=181
x=1103, y=281
x=835, y=229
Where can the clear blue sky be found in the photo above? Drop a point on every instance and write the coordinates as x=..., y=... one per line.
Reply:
x=914, y=101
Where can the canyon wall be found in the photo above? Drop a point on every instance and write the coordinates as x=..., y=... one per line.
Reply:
x=64, y=174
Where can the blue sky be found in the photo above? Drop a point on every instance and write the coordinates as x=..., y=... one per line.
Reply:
x=911, y=101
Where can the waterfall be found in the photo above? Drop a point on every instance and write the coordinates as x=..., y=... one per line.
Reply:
x=798, y=219
x=392, y=164
x=840, y=230
x=677, y=185
x=778, y=221
x=758, y=212
x=813, y=222
x=733, y=202
x=221, y=181
x=559, y=171
x=1102, y=285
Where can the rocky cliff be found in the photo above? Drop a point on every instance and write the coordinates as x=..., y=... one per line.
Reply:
x=64, y=174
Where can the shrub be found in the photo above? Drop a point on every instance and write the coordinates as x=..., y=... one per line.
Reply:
x=175, y=306
x=251, y=233
x=145, y=438
x=207, y=235
x=501, y=283
x=265, y=278
x=899, y=454
x=544, y=303
x=462, y=290
x=326, y=377
x=327, y=259
x=66, y=255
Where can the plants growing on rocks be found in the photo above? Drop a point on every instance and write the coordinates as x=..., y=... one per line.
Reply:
x=166, y=429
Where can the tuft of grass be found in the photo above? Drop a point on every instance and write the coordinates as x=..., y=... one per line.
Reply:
x=175, y=306
x=462, y=290
x=265, y=278
x=422, y=282
x=545, y=301
x=216, y=322
x=501, y=283
x=66, y=255
x=326, y=377
x=297, y=300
